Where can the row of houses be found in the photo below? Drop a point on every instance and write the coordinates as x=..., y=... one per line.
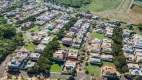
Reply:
x=100, y=50
x=59, y=8
x=132, y=49
x=32, y=12
x=46, y=17
x=24, y=59
x=58, y=24
x=75, y=36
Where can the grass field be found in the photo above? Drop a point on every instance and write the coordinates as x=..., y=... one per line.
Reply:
x=30, y=46
x=34, y=29
x=100, y=5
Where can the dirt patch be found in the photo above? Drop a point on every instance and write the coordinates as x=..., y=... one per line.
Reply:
x=137, y=8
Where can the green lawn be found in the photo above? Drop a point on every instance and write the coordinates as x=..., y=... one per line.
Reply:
x=30, y=46
x=34, y=29
x=97, y=35
x=100, y=5
x=93, y=69
x=25, y=37
x=56, y=67
x=14, y=21
x=105, y=20
x=53, y=35
x=123, y=25
x=108, y=64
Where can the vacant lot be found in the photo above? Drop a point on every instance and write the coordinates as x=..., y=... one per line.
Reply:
x=100, y=5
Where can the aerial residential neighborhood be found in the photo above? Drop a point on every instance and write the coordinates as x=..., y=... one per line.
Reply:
x=71, y=40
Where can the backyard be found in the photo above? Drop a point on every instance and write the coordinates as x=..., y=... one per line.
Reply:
x=97, y=35
x=108, y=64
x=34, y=29
x=100, y=5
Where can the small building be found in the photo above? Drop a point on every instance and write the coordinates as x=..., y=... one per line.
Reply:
x=30, y=65
x=46, y=40
x=100, y=31
x=34, y=56
x=36, y=39
x=129, y=58
x=26, y=26
x=73, y=54
x=109, y=72
x=102, y=25
x=95, y=55
x=40, y=48
x=96, y=41
x=70, y=34
x=69, y=66
x=106, y=45
x=14, y=65
x=60, y=55
x=138, y=59
x=106, y=50
x=95, y=61
x=95, y=48
x=55, y=31
x=106, y=57
x=126, y=33
x=133, y=66
x=67, y=41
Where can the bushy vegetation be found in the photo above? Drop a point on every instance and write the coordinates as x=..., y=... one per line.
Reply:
x=119, y=58
x=9, y=39
x=70, y=3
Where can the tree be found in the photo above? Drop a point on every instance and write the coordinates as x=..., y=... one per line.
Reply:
x=140, y=26
x=137, y=78
x=9, y=76
x=71, y=78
